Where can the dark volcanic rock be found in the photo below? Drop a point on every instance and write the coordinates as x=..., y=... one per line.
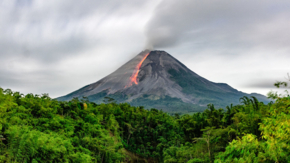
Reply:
x=163, y=83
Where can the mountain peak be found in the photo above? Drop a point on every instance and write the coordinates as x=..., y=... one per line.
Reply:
x=156, y=79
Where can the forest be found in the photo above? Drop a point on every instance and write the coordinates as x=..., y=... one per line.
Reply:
x=37, y=128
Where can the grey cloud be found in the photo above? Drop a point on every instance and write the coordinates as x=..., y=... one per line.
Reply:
x=267, y=83
x=41, y=40
x=216, y=22
x=50, y=30
x=46, y=51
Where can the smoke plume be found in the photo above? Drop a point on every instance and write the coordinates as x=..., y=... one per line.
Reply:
x=212, y=22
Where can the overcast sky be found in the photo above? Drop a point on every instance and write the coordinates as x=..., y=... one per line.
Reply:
x=58, y=46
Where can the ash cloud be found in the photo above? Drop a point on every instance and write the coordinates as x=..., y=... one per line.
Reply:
x=241, y=23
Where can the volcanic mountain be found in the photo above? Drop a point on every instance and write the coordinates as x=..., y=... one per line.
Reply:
x=155, y=79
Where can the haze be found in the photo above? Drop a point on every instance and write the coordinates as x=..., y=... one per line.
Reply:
x=57, y=47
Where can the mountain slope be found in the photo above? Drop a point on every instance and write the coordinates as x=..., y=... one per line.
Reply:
x=156, y=79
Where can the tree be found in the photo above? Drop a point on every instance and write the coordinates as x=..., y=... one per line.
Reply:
x=278, y=84
x=207, y=136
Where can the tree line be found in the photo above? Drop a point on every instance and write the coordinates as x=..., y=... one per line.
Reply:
x=36, y=128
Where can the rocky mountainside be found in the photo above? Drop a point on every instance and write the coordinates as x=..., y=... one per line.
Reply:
x=155, y=79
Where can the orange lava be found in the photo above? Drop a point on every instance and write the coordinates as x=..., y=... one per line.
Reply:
x=133, y=78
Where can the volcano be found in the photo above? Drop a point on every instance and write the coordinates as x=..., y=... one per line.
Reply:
x=155, y=79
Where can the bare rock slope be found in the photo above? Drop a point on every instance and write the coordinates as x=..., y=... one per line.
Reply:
x=155, y=79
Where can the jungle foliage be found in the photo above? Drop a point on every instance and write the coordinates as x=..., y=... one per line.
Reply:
x=37, y=128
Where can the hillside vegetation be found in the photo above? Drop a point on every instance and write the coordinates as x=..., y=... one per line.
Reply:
x=37, y=128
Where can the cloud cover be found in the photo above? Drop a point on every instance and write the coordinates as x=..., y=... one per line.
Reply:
x=57, y=47
x=222, y=22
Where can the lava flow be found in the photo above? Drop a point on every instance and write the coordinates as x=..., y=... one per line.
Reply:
x=133, y=78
